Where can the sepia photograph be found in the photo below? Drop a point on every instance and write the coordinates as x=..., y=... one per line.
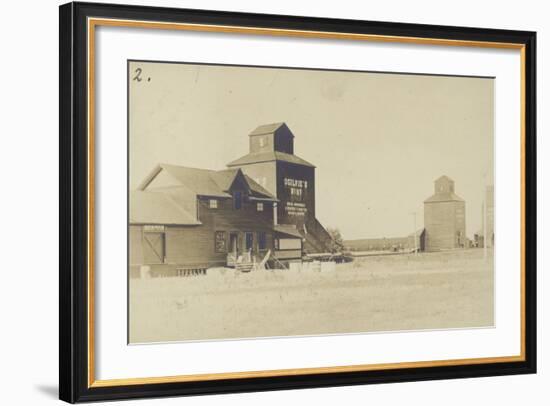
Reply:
x=287, y=201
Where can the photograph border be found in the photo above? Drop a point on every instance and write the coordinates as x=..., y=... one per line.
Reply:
x=77, y=156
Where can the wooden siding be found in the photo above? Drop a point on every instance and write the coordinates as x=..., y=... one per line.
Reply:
x=288, y=208
x=135, y=246
x=287, y=170
x=191, y=246
x=443, y=222
x=194, y=246
x=279, y=140
x=261, y=143
x=284, y=141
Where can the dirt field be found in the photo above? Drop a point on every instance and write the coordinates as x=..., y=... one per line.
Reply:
x=399, y=292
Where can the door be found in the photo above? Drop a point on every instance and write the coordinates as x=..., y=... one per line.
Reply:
x=249, y=241
x=154, y=247
x=234, y=243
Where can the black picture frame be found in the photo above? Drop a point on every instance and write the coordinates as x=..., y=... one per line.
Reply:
x=74, y=385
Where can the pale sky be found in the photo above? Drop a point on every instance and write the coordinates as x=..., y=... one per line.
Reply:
x=378, y=140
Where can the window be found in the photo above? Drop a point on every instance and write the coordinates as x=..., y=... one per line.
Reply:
x=262, y=242
x=249, y=240
x=237, y=200
x=260, y=206
x=262, y=141
x=219, y=242
x=213, y=203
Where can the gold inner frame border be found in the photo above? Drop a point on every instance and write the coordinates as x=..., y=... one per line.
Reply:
x=94, y=22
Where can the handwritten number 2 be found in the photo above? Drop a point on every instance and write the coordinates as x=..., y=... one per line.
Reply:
x=138, y=75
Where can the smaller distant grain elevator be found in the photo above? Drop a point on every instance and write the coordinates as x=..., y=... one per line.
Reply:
x=445, y=217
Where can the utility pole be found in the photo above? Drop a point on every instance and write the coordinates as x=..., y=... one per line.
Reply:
x=484, y=217
x=414, y=234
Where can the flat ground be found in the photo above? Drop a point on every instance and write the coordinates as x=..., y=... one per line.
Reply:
x=452, y=289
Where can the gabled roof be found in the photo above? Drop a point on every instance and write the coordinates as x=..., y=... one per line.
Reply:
x=444, y=177
x=158, y=208
x=269, y=156
x=257, y=188
x=444, y=197
x=224, y=179
x=270, y=129
x=202, y=182
x=206, y=182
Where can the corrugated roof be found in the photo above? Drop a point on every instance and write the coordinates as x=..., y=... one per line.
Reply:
x=444, y=197
x=257, y=188
x=269, y=129
x=269, y=156
x=224, y=179
x=200, y=181
x=158, y=208
x=205, y=182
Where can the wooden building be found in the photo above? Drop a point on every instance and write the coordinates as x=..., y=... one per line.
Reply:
x=271, y=162
x=444, y=217
x=187, y=219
